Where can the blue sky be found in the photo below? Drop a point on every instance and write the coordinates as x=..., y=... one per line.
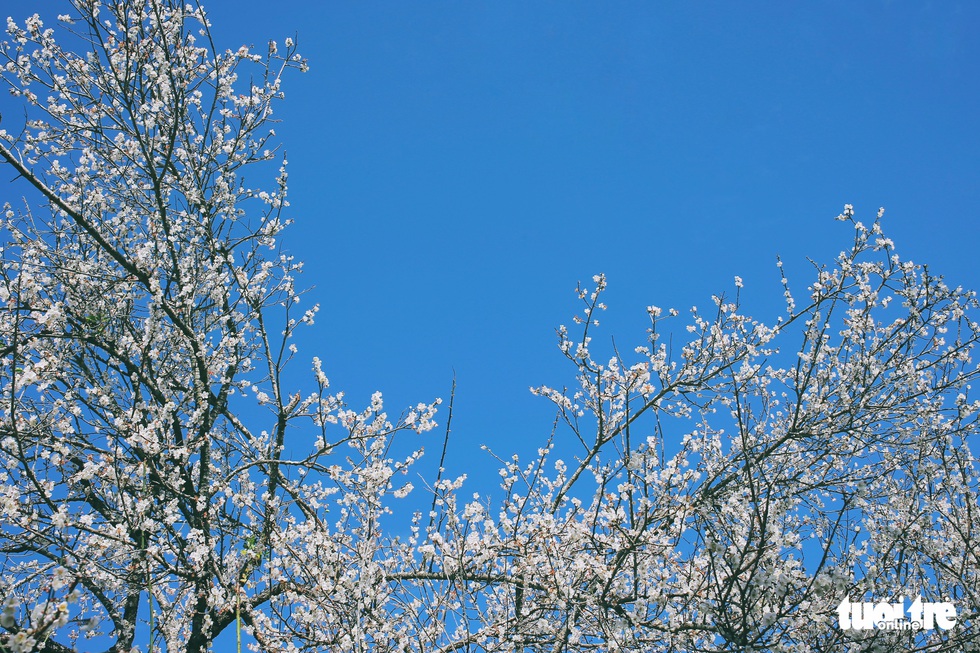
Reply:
x=456, y=168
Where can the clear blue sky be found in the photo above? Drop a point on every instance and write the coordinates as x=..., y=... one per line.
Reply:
x=456, y=168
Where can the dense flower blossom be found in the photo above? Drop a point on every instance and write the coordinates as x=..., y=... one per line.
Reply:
x=721, y=488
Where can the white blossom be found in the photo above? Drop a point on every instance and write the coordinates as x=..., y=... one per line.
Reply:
x=717, y=485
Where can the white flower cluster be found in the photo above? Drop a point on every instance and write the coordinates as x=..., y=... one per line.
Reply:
x=712, y=488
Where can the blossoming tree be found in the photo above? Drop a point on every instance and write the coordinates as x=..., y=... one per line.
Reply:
x=727, y=493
